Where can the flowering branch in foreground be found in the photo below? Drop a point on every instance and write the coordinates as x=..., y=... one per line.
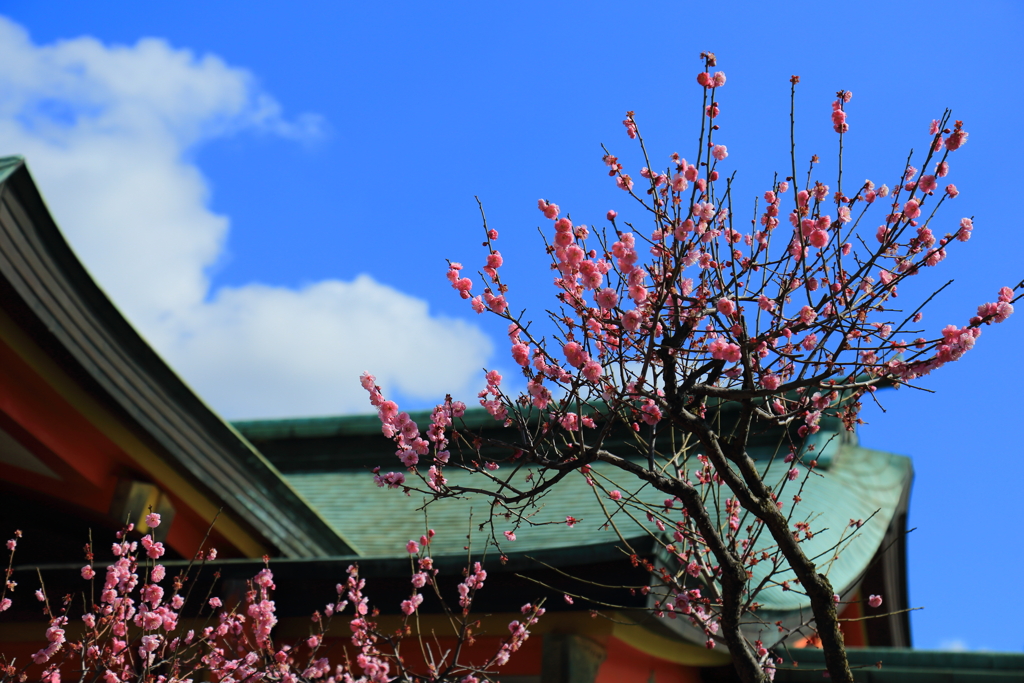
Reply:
x=659, y=332
x=138, y=630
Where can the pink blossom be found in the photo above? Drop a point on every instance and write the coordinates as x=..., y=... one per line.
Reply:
x=770, y=382
x=723, y=350
x=956, y=140
x=615, y=495
x=606, y=298
x=912, y=209
x=592, y=370
x=88, y=572
x=875, y=600
x=215, y=602
x=611, y=215
x=549, y=210
x=719, y=152
x=494, y=261
x=571, y=521
x=966, y=226
x=152, y=520
x=510, y=535
x=808, y=315
x=575, y=354
x=726, y=306
x=793, y=474
x=818, y=238
x=570, y=422
x=521, y=354
x=5, y=604
x=412, y=547
x=409, y=606
x=719, y=79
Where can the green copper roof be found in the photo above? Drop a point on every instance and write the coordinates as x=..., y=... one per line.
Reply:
x=380, y=521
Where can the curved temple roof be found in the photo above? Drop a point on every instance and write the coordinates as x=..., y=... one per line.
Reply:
x=326, y=459
x=49, y=295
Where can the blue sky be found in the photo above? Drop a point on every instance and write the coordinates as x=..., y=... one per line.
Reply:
x=270, y=194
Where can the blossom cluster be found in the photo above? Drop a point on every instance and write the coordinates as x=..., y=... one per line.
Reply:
x=791, y=317
x=135, y=631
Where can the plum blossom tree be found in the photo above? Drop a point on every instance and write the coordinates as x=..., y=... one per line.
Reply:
x=141, y=629
x=658, y=330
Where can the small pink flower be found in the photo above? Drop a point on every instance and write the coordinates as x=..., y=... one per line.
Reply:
x=818, y=238
x=510, y=535
x=412, y=547
x=568, y=598
x=549, y=210
x=956, y=139
x=912, y=209
x=152, y=520
x=571, y=521
x=726, y=306
x=606, y=298
x=793, y=474
x=12, y=544
x=574, y=354
x=611, y=215
x=216, y=602
x=592, y=370
x=521, y=354
x=88, y=572
x=615, y=495
x=875, y=600
x=39, y=596
x=719, y=152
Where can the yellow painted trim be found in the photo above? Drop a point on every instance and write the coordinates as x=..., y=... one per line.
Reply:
x=113, y=429
x=670, y=650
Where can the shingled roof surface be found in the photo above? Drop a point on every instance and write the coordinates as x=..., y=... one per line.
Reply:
x=329, y=461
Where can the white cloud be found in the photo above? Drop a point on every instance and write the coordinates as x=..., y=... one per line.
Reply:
x=105, y=130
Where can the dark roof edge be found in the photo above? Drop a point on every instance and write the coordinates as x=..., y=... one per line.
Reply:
x=40, y=266
x=897, y=658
